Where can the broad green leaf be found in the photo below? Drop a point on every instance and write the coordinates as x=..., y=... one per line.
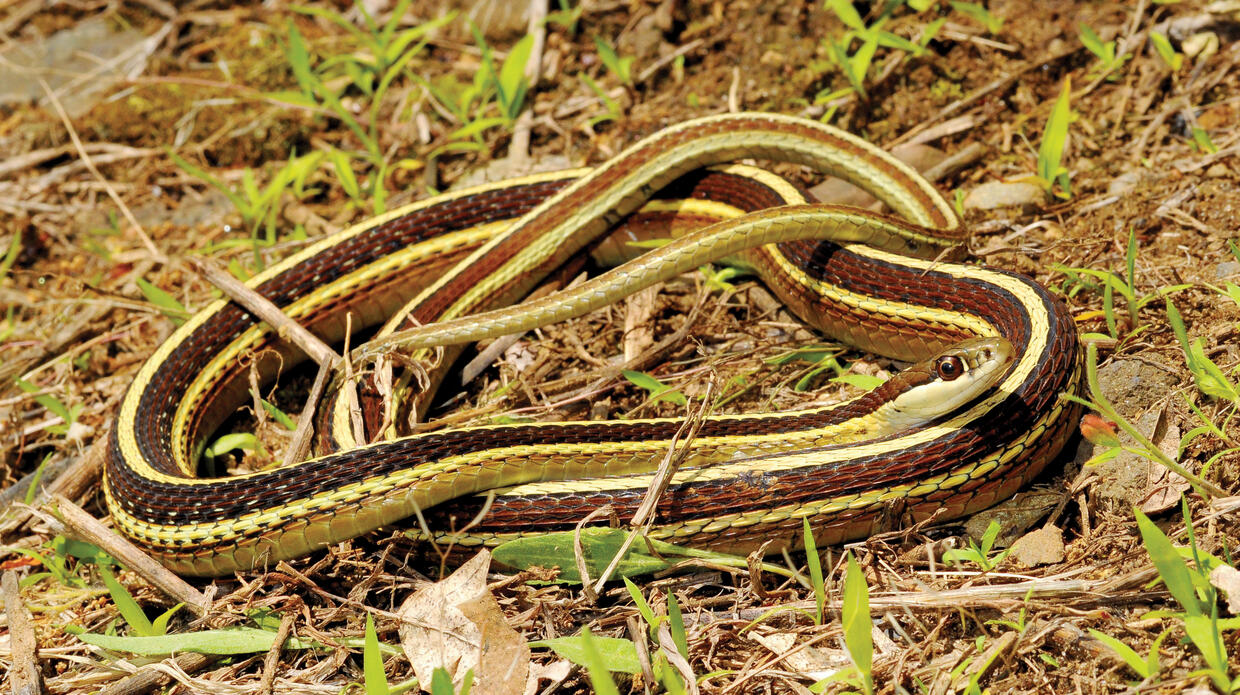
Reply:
x=658, y=390
x=599, y=546
x=236, y=640
x=865, y=382
x=1205, y=634
x=614, y=654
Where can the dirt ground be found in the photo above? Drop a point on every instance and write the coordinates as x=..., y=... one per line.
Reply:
x=100, y=100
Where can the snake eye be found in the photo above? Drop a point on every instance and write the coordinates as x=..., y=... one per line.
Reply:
x=948, y=367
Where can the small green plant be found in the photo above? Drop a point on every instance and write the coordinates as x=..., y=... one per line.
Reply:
x=1112, y=284
x=10, y=254
x=566, y=17
x=856, y=64
x=979, y=554
x=855, y=619
x=1104, y=51
x=1147, y=667
x=720, y=279
x=68, y=413
x=383, y=55
x=228, y=443
x=663, y=670
x=1169, y=55
x=820, y=358
x=1051, y=171
x=622, y=68
x=131, y=611
x=1144, y=447
x=508, y=81
x=658, y=390
x=373, y=674
x=1198, y=598
x=494, y=98
x=166, y=303
x=979, y=14
x=10, y=323
x=1210, y=378
x=1019, y=624
x=1201, y=140
x=613, y=111
x=259, y=208
x=814, y=563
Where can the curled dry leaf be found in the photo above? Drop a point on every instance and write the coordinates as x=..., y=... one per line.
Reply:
x=456, y=624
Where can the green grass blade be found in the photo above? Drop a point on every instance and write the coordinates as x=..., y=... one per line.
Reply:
x=1055, y=136
x=1140, y=666
x=856, y=621
x=372, y=661
x=128, y=607
x=1170, y=567
x=815, y=570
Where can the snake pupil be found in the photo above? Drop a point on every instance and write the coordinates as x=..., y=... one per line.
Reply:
x=949, y=367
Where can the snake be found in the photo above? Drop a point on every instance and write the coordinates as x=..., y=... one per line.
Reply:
x=980, y=413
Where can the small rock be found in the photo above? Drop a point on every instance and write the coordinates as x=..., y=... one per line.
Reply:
x=1041, y=547
x=839, y=192
x=1226, y=270
x=998, y=194
x=1014, y=515
x=772, y=58
x=1218, y=170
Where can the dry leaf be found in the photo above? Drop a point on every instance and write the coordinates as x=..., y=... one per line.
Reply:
x=1165, y=486
x=555, y=672
x=457, y=625
x=1226, y=579
x=812, y=662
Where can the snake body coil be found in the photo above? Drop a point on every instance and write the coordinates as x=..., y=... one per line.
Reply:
x=748, y=478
